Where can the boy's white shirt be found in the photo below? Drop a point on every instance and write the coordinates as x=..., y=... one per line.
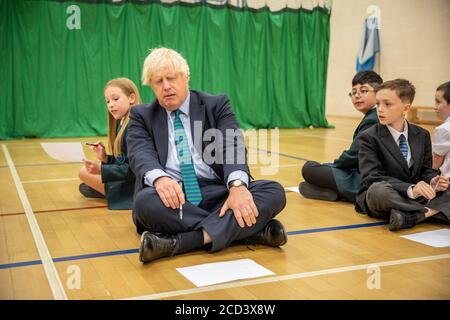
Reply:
x=396, y=135
x=441, y=145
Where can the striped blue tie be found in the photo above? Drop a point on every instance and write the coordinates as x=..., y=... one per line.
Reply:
x=190, y=182
x=403, y=147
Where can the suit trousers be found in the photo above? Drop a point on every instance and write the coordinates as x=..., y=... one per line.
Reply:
x=381, y=197
x=149, y=212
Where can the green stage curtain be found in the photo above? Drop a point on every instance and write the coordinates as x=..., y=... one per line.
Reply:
x=272, y=65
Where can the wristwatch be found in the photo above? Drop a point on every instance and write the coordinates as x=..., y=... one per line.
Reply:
x=236, y=183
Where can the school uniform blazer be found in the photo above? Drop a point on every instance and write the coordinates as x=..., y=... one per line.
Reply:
x=345, y=168
x=148, y=136
x=119, y=179
x=380, y=159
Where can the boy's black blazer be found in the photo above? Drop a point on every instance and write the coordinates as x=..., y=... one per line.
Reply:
x=380, y=159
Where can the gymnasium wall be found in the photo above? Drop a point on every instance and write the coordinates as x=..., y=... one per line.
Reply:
x=58, y=55
x=414, y=45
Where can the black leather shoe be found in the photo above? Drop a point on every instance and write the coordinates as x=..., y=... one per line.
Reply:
x=89, y=192
x=404, y=220
x=154, y=247
x=311, y=191
x=273, y=235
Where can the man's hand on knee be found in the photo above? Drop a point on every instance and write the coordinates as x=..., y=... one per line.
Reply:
x=240, y=201
x=169, y=191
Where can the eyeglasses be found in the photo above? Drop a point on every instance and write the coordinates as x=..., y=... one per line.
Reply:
x=362, y=92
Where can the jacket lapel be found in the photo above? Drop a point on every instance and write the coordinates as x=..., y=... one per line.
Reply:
x=415, y=146
x=161, y=134
x=387, y=139
x=197, y=115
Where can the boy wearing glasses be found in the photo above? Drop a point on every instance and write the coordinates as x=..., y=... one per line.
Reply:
x=341, y=180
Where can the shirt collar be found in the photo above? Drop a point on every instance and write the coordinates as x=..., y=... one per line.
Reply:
x=184, y=106
x=396, y=134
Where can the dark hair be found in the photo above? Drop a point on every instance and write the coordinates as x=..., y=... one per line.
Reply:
x=404, y=89
x=367, y=77
x=445, y=88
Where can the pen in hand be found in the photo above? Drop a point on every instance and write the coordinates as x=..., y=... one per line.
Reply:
x=437, y=183
x=435, y=187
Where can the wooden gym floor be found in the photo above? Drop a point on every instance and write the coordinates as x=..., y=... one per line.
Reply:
x=332, y=252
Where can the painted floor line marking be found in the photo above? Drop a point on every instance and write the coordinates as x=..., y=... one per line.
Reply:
x=50, y=180
x=239, y=284
x=130, y=251
x=47, y=262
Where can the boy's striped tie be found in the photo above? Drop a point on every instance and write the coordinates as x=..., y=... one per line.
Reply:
x=403, y=147
x=190, y=182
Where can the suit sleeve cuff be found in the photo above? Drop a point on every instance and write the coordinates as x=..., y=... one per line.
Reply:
x=151, y=176
x=238, y=175
x=410, y=192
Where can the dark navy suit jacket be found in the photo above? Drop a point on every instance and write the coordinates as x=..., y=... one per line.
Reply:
x=148, y=136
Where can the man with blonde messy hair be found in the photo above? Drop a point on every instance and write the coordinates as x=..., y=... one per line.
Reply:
x=193, y=191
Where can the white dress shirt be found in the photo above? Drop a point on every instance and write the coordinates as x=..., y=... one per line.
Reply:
x=441, y=145
x=396, y=135
x=172, y=168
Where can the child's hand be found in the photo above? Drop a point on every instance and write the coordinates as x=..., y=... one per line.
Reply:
x=99, y=150
x=92, y=167
x=424, y=189
x=440, y=183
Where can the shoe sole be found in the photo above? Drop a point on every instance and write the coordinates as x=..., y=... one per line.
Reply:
x=94, y=194
x=306, y=192
x=285, y=237
x=141, y=247
x=394, y=223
